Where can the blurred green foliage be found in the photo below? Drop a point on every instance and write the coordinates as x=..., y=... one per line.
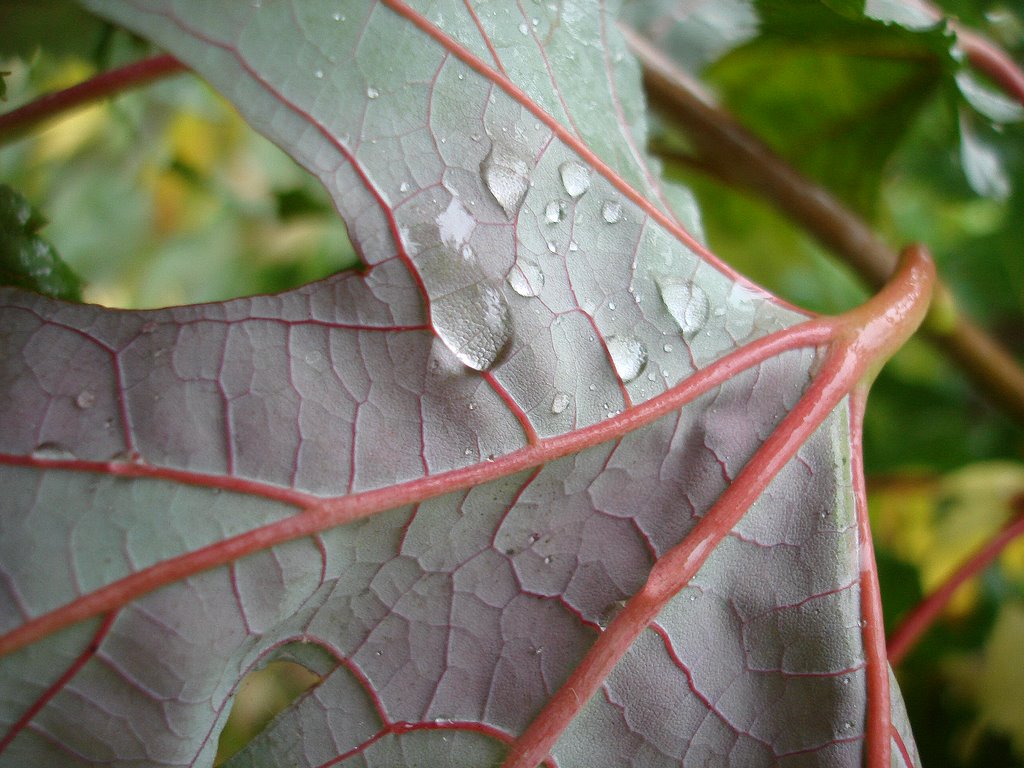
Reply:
x=164, y=196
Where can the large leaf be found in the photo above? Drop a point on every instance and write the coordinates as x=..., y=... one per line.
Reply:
x=487, y=465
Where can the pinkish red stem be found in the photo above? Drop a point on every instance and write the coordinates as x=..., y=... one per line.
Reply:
x=18, y=122
x=905, y=637
x=878, y=721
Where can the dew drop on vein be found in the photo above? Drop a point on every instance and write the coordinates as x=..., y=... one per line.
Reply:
x=507, y=178
x=611, y=211
x=526, y=278
x=686, y=302
x=554, y=212
x=474, y=323
x=575, y=177
x=52, y=451
x=560, y=403
x=629, y=356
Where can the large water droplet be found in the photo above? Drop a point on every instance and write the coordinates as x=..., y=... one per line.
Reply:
x=575, y=177
x=526, y=278
x=686, y=302
x=611, y=211
x=560, y=403
x=628, y=355
x=554, y=212
x=507, y=177
x=474, y=323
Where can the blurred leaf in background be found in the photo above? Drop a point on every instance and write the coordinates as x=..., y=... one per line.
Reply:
x=163, y=196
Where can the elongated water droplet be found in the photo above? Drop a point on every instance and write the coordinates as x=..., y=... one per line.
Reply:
x=686, y=302
x=628, y=355
x=52, y=451
x=575, y=177
x=526, y=278
x=554, y=212
x=560, y=403
x=611, y=211
x=372, y=93
x=474, y=323
x=507, y=178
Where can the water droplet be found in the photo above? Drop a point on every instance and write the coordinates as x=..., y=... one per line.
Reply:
x=554, y=212
x=845, y=681
x=52, y=451
x=560, y=403
x=686, y=302
x=547, y=561
x=575, y=177
x=85, y=399
x=523, y=29
x=466, y=452
x=526, y=278
x=572, y=246
x=507, y=177
x=628, y=355
x=318, y=74
x=472, y=406
x=372, y=93
x=611, y=305
x=611, y=211
x=474, y=323
x=551, y=247
x=667, y=347
x=338, y=17
x=403, y=187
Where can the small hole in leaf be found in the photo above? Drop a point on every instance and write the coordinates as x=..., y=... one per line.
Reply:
x=262, y=695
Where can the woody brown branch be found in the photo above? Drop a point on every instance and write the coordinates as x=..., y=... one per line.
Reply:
x=728, y=151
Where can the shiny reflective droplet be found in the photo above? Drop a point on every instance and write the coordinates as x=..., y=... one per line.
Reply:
x=372, y=93
x=474, y=323
x=85, y=399
x=667, y=347
x=523, y=29
x=572, y=246
x=526, y=278
x=319, y=74
x=560, y=403
x=472, y=406
x=338, y=17
x=575, y=177
x=611, y=211
x=507, y=178
x=554, y=212
x=52, y=451
x=611, y=305
x=551, y=247
x=686, y=302
x=628, y=355
x=403, y=187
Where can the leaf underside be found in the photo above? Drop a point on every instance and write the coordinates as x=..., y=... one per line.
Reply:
x=517, y=291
